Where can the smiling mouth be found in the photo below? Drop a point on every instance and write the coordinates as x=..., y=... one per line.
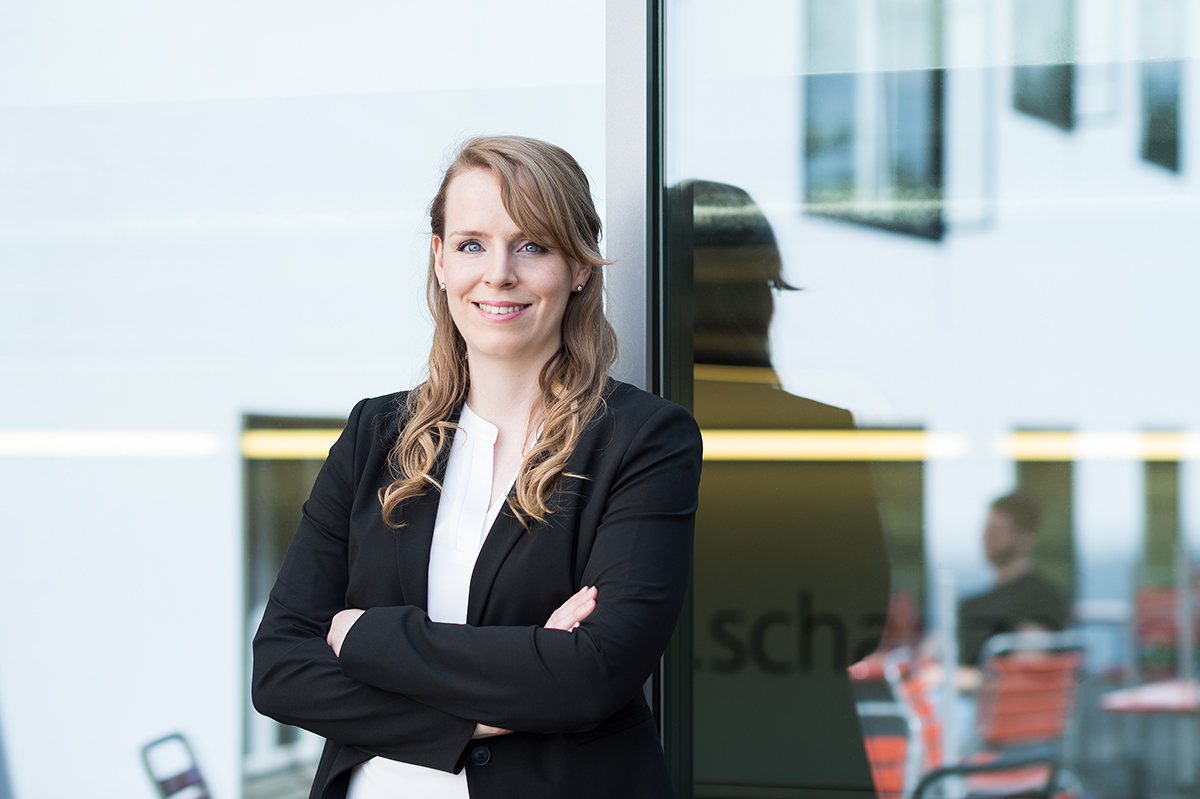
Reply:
x=500, y=310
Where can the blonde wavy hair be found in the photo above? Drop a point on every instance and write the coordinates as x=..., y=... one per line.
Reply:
x=547, y=195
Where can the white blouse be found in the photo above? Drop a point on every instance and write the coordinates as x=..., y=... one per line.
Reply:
x=465, y=515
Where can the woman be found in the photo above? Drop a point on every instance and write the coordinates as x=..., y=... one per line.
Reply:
x=490, y=565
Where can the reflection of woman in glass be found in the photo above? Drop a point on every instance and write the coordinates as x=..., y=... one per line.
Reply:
x=791, y=578
x=490, y=565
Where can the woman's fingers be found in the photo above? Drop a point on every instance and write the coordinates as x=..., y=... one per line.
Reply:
x=341, y=624
x=577, y=608
x=484, y=731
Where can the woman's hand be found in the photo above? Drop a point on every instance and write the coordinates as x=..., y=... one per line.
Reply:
x=567, y=617
x=341, y=624
x=574, y=610
x=484, y=731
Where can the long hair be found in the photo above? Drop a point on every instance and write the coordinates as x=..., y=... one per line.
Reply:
x=547, y=195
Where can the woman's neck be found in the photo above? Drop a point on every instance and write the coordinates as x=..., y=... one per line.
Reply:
x=504, y=394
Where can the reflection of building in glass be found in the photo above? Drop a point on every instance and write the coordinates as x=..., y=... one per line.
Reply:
x=1160, y=112
x=990, y=326
x=1161, y=26
x=873, y=129
x=1044, y=71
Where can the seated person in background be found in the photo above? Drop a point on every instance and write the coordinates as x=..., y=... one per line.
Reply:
x=1022, y=598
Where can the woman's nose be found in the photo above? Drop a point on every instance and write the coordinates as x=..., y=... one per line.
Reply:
x=501, y=271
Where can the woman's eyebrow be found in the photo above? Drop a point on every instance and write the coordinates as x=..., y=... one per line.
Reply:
x=479, y=234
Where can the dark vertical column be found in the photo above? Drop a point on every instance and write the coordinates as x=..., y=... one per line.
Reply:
x=1161, y=523
x=670, y=275
x=900, y=486
x=1051, y=484
x=1157, y=602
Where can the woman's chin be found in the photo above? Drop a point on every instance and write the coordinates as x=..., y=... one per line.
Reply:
x=517, y=355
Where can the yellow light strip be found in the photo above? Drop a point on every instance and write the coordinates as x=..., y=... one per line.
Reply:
x=719, y=445
x=288, y=445
x=831, y=445
x=1069, y=446
x=108, y=444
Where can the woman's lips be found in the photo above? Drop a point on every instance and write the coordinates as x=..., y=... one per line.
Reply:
x=500, y=310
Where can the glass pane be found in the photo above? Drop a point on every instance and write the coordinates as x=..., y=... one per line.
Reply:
x=943, y=363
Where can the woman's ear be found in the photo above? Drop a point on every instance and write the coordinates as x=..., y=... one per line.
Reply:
x=580, y=275
x=438, y=269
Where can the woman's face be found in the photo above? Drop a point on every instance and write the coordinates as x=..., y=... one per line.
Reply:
x=507, y=295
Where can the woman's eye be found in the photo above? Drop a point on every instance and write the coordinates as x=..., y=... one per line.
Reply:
x=470, y=246
x=529, y=246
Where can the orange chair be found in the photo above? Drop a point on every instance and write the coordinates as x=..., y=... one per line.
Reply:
x=1021, y=716
x=908, y=681
x=1026, y=698
x=887, y=727
x=898, y=752
x=888, y=756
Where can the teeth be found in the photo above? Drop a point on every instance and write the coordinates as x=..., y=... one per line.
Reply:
x=497, y=309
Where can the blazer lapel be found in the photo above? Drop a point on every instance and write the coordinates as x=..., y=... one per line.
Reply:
x=503, y=536
x=507, y=531
x=413, y=542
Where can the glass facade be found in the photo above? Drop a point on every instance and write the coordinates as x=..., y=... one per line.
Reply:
x=938, y=255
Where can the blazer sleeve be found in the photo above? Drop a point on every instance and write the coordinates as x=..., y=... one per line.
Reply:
x=537, y=680
x=296, y=677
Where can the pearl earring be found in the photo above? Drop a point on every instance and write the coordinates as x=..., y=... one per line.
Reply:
x=442, y=286
x=578, y=288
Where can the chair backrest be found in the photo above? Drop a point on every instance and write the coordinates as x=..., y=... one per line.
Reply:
x=911, y=686
x=888, y=756
x=898, y=757
x=891, y=733
x=1028, y=688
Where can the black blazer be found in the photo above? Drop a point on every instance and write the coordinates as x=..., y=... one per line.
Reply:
x=410, y=689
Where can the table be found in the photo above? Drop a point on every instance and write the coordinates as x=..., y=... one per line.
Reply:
x=1177, y=697
x=1164, y=696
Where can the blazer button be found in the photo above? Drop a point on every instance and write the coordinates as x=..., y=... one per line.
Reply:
x=480, y=755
